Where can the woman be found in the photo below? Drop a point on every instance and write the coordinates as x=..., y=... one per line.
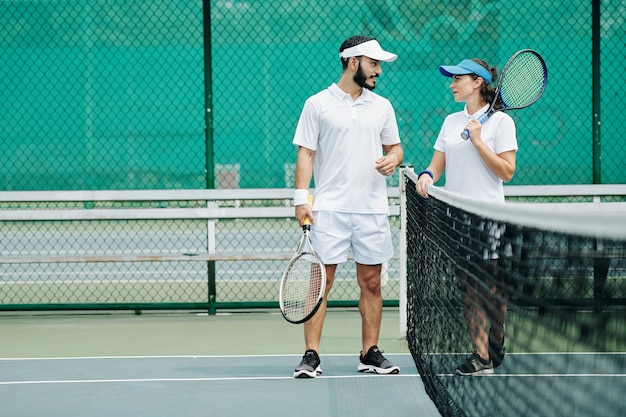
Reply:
x=477, y=168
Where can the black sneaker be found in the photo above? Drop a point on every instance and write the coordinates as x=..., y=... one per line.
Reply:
x=496, y=351
x=309, y=366
x=375, y=362
x=475, y=365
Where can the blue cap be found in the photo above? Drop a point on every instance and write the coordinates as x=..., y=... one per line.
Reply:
x=467, y=66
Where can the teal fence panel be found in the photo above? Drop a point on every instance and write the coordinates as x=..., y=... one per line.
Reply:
x=111, y=94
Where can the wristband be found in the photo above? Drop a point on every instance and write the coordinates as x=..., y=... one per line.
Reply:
x=427, y=172
x=300, y=196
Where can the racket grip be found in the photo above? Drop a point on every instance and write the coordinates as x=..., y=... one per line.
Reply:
x=307, y=222
x=481, y=119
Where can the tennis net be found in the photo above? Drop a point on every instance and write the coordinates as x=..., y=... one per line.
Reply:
x=552, y=276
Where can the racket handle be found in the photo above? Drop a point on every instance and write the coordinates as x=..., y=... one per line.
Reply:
x=481, y=119
x=307, y=222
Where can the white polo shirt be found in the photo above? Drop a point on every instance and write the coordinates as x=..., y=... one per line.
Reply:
x=347, y=137
x=466, y=172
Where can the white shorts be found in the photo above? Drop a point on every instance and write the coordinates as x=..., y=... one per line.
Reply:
x=368, y=235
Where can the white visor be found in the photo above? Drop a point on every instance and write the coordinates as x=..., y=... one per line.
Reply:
x=370, y=49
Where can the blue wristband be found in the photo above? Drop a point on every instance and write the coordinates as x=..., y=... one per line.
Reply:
x=428, y=172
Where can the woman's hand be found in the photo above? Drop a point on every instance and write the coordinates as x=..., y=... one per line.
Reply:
x=475, y=128
x=421, y=183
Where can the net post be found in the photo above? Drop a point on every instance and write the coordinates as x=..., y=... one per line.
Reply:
x=384, y=274
x=402, y=299
x=211, y=285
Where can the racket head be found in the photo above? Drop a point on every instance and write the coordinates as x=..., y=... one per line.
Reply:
x=302, y=287
x=523, y=80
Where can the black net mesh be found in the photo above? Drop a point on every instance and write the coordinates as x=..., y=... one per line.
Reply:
x=558, y=297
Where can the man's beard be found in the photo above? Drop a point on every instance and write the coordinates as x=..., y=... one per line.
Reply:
x=361, y=79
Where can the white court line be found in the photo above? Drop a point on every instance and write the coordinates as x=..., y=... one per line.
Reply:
x=216, y=379
x=533, y=353
x=61, y=358
x=273, y=355
x=72, y=358
x=206, y=379
x=497, y=375
x=501, y=375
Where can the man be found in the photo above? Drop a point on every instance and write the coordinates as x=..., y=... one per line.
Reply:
x=341, y=135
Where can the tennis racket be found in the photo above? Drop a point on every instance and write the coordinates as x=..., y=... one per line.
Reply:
x=304, y=281
x=522, y=81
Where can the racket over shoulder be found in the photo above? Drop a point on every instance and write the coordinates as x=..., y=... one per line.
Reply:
x=523, y=80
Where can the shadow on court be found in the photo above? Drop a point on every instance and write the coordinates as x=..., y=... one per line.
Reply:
x=191, y=364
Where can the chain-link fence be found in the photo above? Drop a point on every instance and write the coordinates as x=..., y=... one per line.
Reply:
x=113, y=94
x=160, y=94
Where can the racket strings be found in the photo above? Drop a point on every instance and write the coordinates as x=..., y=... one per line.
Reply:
x=301, y=288
x=523, y=81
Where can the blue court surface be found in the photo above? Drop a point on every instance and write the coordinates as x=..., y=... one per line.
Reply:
x=241, y=364
x=179, y=364
x=206, y=386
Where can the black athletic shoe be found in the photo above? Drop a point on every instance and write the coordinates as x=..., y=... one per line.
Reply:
x=374, y=361
x=309, y=366
x=475, y=365
x=496, y=351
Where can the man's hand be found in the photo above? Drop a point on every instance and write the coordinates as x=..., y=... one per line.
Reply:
x=387, y=164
